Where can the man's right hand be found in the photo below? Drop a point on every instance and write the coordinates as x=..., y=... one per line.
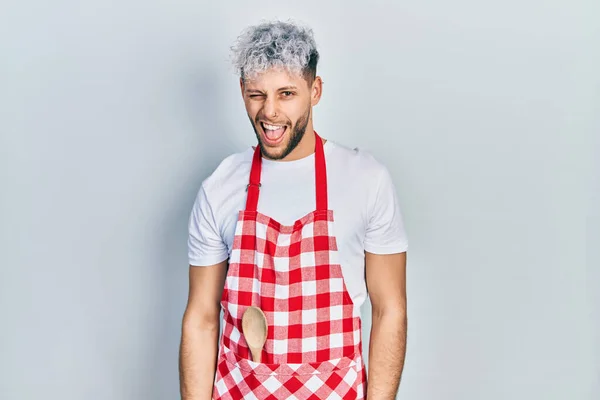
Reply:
x=200, y=331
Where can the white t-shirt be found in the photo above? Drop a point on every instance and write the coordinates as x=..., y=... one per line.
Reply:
x=366, y=213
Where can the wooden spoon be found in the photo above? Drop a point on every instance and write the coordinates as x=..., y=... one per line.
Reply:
x=254, y=328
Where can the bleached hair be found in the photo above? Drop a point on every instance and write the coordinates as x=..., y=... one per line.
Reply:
x=276, y=44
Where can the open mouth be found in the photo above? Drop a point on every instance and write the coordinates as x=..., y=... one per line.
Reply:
x=273, y=133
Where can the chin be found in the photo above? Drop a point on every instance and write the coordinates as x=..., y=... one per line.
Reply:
x=273, y=152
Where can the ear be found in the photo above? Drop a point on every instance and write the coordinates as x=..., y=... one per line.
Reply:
x=242, y=86
x=316, y=91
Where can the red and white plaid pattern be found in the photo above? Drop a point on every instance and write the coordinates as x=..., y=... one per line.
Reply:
x=240, y=378
x=313, y=348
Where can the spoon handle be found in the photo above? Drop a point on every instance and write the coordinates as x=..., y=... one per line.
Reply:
x=256, y=354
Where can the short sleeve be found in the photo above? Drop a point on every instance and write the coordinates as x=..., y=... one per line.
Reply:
x=385, y=233
x=205, y=244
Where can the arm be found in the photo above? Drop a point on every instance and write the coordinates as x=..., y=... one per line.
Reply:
x=386, y=282
x=200, y=332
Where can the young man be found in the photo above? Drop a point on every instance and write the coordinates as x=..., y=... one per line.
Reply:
x=302, y=228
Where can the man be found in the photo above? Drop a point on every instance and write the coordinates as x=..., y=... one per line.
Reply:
x=301, y=228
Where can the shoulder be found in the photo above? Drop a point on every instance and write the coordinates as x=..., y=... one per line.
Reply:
x=228, y=176
x=357, y=163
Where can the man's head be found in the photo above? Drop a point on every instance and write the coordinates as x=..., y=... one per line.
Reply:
x=277, y=63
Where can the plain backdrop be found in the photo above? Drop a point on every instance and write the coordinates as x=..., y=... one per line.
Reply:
x=486, y=114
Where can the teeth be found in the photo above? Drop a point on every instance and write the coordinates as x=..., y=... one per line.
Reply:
x=271, y=127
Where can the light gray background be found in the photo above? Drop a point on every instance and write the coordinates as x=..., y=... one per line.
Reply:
x=112, y=113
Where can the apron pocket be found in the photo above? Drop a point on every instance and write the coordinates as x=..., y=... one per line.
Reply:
x=255, y=368
x=239, y=378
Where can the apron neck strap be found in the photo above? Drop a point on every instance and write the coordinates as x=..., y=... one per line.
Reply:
x=320, y=174
x=253, y=187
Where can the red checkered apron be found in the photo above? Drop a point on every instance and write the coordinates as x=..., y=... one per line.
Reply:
x=292, y=272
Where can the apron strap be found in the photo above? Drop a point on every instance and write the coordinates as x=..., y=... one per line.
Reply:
x=320, y=175
x=254, y=184
x=253, y=187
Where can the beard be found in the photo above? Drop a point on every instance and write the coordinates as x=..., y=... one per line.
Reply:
x=296, y=134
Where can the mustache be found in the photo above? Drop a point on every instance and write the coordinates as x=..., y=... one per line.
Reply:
x=266, y=120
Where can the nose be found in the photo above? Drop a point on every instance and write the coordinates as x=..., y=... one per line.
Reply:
x=270, y=108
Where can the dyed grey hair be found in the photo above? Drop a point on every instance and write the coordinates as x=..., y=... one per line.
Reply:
x=276, y=44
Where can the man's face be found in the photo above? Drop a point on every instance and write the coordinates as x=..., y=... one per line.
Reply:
x=279, y=106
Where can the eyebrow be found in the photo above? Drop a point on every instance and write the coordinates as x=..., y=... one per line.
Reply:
x=279, y=90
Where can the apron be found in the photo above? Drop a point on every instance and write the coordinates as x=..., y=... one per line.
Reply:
x=313, y=348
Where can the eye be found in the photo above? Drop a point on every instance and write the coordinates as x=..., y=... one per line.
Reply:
x=287, y=93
